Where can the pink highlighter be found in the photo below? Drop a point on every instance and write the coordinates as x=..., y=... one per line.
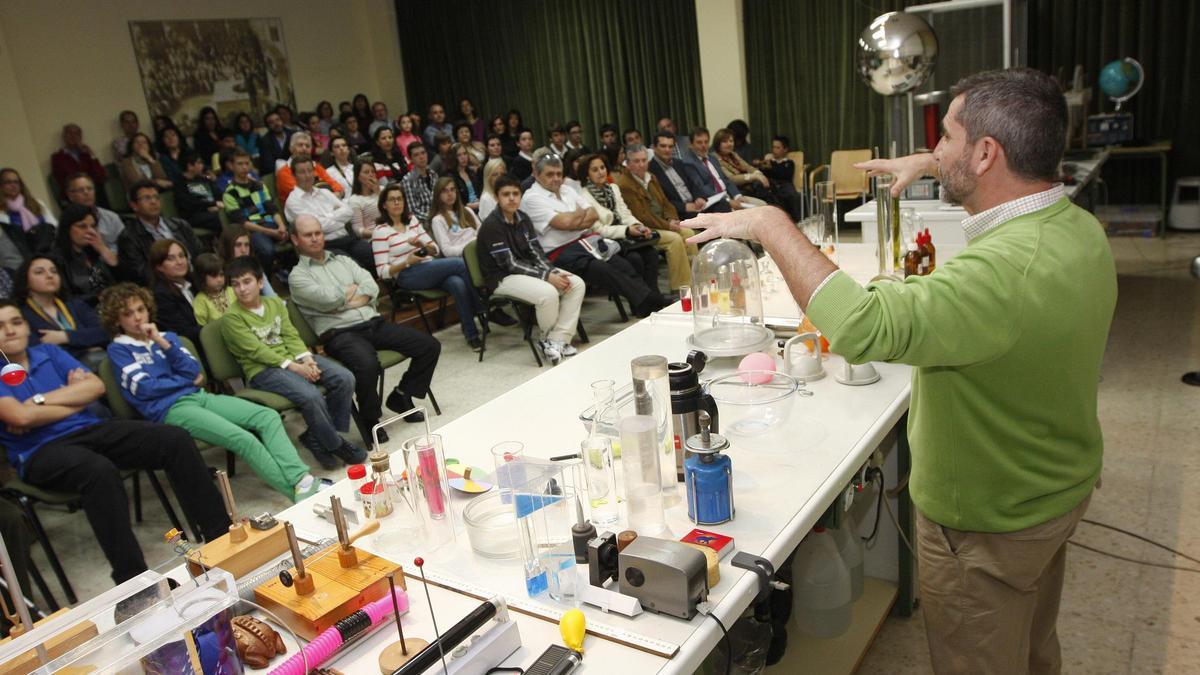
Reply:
x=431, y=480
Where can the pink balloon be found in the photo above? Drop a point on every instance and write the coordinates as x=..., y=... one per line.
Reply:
x=756, y=368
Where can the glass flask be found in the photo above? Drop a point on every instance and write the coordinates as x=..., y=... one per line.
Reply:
x=731, y=323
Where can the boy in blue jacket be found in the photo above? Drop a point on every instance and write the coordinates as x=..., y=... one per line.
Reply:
x=161, y=379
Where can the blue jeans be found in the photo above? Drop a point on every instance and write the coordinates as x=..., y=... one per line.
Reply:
x=325, y=415
x=264, y=249
x=450, y=275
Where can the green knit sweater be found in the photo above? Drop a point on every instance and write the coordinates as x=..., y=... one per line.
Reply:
x=261, y=342
x=1007, y=340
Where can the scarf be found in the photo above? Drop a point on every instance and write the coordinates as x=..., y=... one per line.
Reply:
x=18, y=212
x=603, y=195
x=64, y=318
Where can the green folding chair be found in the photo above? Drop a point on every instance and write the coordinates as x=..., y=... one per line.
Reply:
x=225, y=370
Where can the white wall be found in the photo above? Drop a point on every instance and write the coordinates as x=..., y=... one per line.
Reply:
x=722, y=61
x=72, y=60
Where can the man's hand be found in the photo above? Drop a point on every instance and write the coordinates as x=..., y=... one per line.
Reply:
x=308, y=370
x=905, y=169
x=745, y=224
x=54, y=337
x=736, y=203
x=358, y=301
x=351, y=291
x=673, y=225
x=559, y=281
x=77, y=375
x=278, y=233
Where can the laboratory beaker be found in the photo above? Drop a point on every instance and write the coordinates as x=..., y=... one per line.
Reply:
x=652, y=370
x=640, y=460
x=597, y=454
x=825, y=194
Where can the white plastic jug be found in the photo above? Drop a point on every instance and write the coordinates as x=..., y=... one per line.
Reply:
x=850, y=547
x=821, y=587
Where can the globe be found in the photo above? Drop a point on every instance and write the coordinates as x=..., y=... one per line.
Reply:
x=1121, y=79
x=896, y=53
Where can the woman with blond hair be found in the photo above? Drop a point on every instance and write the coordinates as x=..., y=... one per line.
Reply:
x=487, y=198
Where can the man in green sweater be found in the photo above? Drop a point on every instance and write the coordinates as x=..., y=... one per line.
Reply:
x=1007, y=340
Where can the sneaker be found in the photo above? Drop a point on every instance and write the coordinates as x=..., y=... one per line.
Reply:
x=398, y=402
x=565, y=348
x=475, y=343
x=550, y=351
x=323, y=457
x=317, y=485
x=350, y=453
x=500, y=318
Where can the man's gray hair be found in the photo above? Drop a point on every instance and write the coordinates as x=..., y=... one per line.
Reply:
x=1024, y=110
x=298, y=134
x=635, y=147
x=548, y=159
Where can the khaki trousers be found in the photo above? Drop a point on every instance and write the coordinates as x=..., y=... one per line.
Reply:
x=991, y=600
x=557, y=313
x=679, y=264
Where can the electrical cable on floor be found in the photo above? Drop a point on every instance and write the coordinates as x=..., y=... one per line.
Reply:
x=1140, y=537
x=1133, y=560
x=728, y=645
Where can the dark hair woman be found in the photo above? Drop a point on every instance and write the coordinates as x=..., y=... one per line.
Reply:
x=54, y=317
x=207, y=139
x=87, y=261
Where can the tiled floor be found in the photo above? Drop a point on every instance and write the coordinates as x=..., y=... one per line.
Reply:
x=1117, y=617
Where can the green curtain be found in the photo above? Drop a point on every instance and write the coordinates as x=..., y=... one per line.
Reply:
x=1160, y=34
x=801, y=77
x=623, y=61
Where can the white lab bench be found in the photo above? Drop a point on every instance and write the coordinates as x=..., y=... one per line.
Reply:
x=784, y=481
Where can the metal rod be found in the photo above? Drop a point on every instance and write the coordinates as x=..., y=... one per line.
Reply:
x=227, y=495
x=436, y=633
x=339, y=522
x=15, y=592
x=295, y=546
x=396, y=610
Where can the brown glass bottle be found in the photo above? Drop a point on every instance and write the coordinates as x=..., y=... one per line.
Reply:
x=912, y=260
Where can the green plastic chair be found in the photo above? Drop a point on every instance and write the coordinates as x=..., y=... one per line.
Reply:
x=225, y=368
x=114, y=189
x=167, y=199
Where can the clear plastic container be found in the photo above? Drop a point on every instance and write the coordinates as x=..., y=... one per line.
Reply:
x=821, y=605
x=651, y=373
x=596, y=451
x=492, y=527
x=640, y=458
x=731, y=324
x=753, y=402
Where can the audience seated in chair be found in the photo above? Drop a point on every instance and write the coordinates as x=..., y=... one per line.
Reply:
x=162, y=380
x=614, y=220
x=206, y=141
x=494, y=148
x=492, y=171
x=142, y=164
x=563, y=222
x=647, y=202
x=631, y=137
x=74, y=157
x=681, y=182
x=245, y=136
x=146, y=226
x=88, y=264
x=128, y=121
x=212, y=296
x=405, y=136
x=466, y=111
x=26, y=222
x=380, y=118
x=81, y=190
x=464, y=136
x=338, y=299
x=260, y=335
x=332, y=213
x=352, y=132
x=608, y=135
x=174, y=295
x=418, y=184
x=437, y=125
x=54, y=317
x=235, y=243
x=521, y=165
x=752, y=183
x=341, y=164
x=406, y=254
x=780, y=170
x=248, y=203
x=285, y=181
x=439, y=154
x=364, y=202
x=711, y=171
x=574, y=132
x=390, y=164
x=275, y=145
x=464, y=169
x=171, y=149
x=55, y=442
x=196, y=197
x=556, y=140
x=667, y=125
x=515, y=265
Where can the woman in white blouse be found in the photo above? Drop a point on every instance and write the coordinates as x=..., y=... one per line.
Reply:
x=616, y=221
x=405, y=253
x=342, y=167
x=453, y=225
x=363, y=199
x=487, y=200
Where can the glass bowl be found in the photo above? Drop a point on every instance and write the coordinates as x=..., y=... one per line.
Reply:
x=751, y=402
x=492, y=527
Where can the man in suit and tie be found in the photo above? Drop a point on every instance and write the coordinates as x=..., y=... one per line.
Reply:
x=708, y=167
x=685, y=188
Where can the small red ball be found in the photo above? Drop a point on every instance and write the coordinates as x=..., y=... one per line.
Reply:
x=419, y=562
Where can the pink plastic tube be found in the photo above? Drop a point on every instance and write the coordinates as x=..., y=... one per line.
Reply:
x=330, y=641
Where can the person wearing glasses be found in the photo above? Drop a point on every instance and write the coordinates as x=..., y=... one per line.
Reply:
x=81, y=190
x=146, y=226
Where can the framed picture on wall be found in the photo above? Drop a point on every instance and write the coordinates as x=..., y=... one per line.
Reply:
x=232, y=65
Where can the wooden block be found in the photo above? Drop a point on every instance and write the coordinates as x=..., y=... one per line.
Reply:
x=56, y=646
x=310, y=614
x=369, y=576
x=240, y=558
x=714, y=562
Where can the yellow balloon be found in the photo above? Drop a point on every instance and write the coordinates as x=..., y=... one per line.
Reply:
x=573, y=626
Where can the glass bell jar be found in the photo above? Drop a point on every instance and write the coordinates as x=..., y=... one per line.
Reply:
x=727, y=309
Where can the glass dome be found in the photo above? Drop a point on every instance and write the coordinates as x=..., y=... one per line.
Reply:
x=727, y=309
